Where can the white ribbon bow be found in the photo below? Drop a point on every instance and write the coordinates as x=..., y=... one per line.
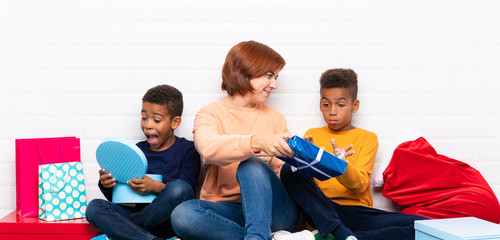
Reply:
x=317, y=160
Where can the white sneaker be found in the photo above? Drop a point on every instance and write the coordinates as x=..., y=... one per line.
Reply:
x=351, y=238
x=285, y=235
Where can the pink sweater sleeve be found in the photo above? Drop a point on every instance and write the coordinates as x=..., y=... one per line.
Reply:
x=217, y=148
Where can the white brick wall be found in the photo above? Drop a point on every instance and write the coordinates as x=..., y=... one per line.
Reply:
x=80, y=67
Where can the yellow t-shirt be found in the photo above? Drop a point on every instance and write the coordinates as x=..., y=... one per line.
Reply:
x=353, y=187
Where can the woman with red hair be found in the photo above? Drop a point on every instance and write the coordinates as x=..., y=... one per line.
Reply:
x=239, y=138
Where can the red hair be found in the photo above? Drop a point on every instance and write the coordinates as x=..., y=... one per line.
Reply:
x=245, y=61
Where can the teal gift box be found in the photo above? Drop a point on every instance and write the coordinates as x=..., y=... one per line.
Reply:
x=465, y=228
x=314, y=160
x=61, y=191
x=122, y=193
x=125, y=161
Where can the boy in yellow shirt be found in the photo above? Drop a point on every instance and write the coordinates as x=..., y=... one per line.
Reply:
x=342, y=205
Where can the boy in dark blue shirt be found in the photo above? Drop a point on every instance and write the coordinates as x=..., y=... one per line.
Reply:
x=176, y=159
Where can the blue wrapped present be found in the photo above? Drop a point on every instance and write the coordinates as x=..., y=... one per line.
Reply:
x=463, y=228
x=314, y=160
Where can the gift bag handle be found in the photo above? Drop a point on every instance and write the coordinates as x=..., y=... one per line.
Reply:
x=65, y=179
x=40, y=154
x=53, y=189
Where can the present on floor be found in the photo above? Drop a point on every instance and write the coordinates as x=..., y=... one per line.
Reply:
x=465, y=228
x=314, y=160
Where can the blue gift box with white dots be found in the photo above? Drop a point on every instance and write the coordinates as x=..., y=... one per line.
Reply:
x=124, y=160
x=121, y=158
x=122, y=193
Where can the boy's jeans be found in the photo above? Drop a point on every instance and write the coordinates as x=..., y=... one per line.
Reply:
x=265, y=207
x=119, y=222
x=366, y=223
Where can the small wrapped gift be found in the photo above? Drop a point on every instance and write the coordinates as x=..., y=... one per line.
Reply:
x=314, y=160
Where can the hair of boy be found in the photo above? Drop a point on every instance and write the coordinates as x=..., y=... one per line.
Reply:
x=168, y=96
x=340, y=78
x=245, y=61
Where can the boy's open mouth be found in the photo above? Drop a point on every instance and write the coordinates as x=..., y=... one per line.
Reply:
x=152, y=139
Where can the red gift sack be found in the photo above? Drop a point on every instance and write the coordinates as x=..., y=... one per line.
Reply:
x=33, y=152
x=435, y=186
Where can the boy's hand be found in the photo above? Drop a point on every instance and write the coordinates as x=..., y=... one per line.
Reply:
x=309, y=138
x=146, y=185
x=106, y=179
x=273, y=145
x=341, y=153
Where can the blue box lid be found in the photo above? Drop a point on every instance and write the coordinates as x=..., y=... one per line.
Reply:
x=469, y=228
x=121, y=158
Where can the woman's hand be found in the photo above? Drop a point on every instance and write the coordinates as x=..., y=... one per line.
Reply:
x=272, y=144
x=106, y=179
x=146, y=185
x=341, y=153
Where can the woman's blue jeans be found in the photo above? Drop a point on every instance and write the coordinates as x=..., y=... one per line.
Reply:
x=119, y=222
x=265, y=207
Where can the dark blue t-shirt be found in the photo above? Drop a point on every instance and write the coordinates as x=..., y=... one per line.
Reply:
x=179, y=161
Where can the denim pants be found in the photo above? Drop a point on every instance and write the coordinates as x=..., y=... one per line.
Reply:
x=265, y=207
x=119, y=222
x=365, y=223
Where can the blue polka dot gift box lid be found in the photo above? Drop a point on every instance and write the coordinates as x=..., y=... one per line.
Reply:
x=125, y=161
x=122, y=158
